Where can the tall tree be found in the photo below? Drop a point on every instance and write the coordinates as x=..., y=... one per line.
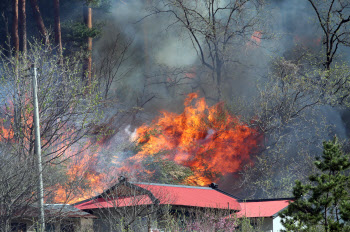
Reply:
x=58, y=40
x=325, y=202
x=39, y=21
x=215, y=27
x=333, y=17
x=23, y=25
x=15, y=38
x=88, y=22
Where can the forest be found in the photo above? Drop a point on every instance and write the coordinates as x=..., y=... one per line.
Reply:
x=253, y=95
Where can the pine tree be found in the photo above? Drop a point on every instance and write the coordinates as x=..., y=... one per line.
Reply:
x=324, y=203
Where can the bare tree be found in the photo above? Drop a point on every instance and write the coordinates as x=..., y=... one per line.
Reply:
x=65, y=118
x=333, y=16
x=17, y=186
x=215, y=28
x=112, y=66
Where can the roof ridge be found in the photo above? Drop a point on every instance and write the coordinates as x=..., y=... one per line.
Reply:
x=172, y=185
x=228, y=194
x=266, y=199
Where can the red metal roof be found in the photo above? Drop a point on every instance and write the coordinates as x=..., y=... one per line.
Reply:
x=267, y=208
x=178, y=195
x=192, y=196
x=120, y=202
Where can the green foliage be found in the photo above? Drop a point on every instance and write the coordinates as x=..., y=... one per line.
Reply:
x=250, y=224
x=166, y=171
x=77, y=32
x=104, y=4
x=325, y=202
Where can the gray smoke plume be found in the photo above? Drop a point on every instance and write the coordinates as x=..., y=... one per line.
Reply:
x=163, y=67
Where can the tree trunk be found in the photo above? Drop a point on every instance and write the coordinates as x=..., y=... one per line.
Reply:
x=23, y=26
x=8, y=36
x=88, y=62
x=58, y=40
x=15, y=38
x=39, y=21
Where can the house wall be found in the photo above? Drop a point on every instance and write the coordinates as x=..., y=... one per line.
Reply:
x=268, y=224
x=86, y=225
x=109, y=220
x=277, y=225
x=79, y=224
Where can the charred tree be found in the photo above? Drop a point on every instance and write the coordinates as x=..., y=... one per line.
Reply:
x=39, y=21
x=58, y=40
x=23, y=25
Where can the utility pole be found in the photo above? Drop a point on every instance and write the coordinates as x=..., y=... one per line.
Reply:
x=37, y=150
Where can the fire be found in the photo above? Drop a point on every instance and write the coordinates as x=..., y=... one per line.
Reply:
x=256, y=37
x=209, y=140
x=6, y=126
x=83, y=181
x=255, y=40
x=191, y=74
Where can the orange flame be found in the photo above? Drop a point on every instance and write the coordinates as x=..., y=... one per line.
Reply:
x=82, y=181
x=209, y=140
x=255, y=40
x=7, y=132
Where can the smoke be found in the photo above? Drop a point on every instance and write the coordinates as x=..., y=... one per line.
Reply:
x=155, y=76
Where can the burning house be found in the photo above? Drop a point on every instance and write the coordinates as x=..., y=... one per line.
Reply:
x=146, y=202
x=242, y=99
x=124, y=203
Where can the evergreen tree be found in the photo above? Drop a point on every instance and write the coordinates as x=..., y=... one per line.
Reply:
x=324, y=203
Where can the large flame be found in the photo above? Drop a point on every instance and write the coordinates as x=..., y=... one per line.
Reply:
x=81, y=180
x=209, y=140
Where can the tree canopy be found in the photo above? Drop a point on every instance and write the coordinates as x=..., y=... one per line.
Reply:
x=324, y=202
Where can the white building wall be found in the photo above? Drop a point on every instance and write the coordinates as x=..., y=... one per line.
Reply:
x=277, y=225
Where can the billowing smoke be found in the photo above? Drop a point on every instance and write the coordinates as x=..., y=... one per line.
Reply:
x=161, y=67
